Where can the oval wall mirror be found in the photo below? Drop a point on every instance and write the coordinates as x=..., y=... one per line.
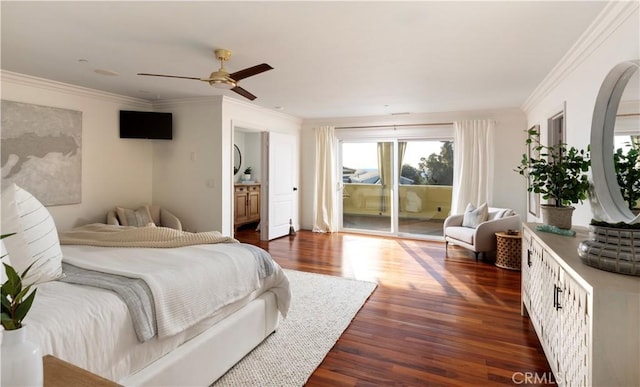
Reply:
x=607, y=202
x=237, y=159
x=626, y=144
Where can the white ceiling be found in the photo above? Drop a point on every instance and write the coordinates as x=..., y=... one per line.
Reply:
x=330, y=59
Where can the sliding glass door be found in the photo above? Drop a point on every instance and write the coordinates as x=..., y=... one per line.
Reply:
x=425, y=186
x=367, y=203
x=396, y=186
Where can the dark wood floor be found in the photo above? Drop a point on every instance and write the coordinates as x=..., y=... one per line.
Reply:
x=432, y=320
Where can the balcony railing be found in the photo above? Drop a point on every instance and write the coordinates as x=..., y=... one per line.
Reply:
x=416, y=201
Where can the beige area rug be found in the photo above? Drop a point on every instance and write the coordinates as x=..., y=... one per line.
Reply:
x=322, y=307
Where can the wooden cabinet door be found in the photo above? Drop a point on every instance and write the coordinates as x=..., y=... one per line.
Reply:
x=241, y=214
x=253, y=207
x=247, y=205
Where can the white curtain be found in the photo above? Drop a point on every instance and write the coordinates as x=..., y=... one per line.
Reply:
x=384, y=169
x=325, y=214
x=402, y=148
x=472, y=163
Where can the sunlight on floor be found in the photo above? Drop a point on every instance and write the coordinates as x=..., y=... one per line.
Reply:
x=364, y=260
x=414, y=270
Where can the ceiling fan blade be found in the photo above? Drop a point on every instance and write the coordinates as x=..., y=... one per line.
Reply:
x=244, y=93
x=249, y=72
x=169, y=76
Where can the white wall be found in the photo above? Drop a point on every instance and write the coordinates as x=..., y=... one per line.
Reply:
x=114, y=171
x=193, y=174
x=253, y=152
x=187, y=178
x=509, y=147
x=614, y=39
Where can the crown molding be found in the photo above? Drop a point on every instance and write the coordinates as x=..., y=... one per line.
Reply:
x=417, y=118
x=7, y=77
x=612, y=16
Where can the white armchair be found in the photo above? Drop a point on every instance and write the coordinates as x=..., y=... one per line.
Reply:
x=159, y=216
x=480, y=239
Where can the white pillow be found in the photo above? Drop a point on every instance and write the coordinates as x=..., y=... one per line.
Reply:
x=38, y=231
x=504, y=213
x=15, y=245
x=474, y=216
x=140, y=217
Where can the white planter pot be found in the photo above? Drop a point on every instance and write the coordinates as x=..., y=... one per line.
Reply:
x=557, y=216
x=21, y=360
x=246, y=177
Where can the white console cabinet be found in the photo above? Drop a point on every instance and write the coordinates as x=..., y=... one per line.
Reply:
x=587, y=320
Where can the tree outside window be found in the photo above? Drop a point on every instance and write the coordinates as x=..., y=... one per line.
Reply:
x=435, y=169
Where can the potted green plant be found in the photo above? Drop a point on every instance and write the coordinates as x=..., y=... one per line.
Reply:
x=16, y=298
x=247, y=173
x=21, y=359
x=559, y=174
x=627, y=166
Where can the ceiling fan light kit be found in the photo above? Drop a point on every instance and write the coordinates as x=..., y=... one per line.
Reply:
x=221, y=82
x=221, y=79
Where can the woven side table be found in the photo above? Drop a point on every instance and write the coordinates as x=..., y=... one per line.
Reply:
x=509, y=254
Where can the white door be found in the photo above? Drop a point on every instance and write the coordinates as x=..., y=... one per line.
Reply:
x=281, y=190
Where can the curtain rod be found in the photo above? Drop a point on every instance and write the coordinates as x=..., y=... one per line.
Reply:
x=393, y=126
x=628, y=115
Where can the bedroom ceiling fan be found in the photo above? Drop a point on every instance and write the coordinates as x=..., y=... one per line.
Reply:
x=221, y=78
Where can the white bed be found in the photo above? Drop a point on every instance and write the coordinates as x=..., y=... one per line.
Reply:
x=92, y=327
x=206, y=299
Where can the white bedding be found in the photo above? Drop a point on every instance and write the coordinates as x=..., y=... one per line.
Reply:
x=188, y=283
x=92, y=327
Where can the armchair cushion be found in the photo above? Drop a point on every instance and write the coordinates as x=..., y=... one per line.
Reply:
x=474, y=216
x=464, y=234
x=140, y=217
x=498, y=213
x=143, y=216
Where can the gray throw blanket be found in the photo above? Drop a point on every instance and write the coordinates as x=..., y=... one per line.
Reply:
x=135, y=293
x=266, y=264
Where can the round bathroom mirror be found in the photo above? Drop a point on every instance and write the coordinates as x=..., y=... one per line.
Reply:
x=607, y=202
x=237, y=159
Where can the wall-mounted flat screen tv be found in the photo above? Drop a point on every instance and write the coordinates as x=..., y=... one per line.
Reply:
x=151, y=125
